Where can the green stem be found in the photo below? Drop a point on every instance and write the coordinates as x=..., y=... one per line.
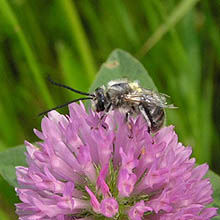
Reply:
x=79, y=36
x=29, y=55
x=178, y=13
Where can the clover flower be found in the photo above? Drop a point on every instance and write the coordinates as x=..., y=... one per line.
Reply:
x=90, y=167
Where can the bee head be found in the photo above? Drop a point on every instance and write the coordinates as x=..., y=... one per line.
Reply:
x=100, y=100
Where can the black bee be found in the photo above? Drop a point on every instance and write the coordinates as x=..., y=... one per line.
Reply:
x=128, y=97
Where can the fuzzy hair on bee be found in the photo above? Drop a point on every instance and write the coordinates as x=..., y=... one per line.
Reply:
x=128, y=97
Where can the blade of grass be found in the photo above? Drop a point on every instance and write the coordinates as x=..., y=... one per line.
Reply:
x=180, y=10
x=9, y=126
x=34, y=31
x=150, y=14
x=212, y=27
x=206, y=130
x=116, y=35
x=29, y=55
x=96, y=27
x=124, y=18
x=72, y=70
x=78, y=34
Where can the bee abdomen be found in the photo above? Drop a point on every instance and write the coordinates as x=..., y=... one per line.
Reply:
x=157, y=116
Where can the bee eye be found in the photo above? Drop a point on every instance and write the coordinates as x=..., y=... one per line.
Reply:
x=101, y=100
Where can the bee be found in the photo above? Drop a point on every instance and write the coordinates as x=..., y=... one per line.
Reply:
x=129, y=97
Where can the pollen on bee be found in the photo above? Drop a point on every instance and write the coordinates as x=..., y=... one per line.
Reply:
x=135, y=86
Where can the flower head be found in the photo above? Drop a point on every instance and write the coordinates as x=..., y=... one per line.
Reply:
x=87, y=167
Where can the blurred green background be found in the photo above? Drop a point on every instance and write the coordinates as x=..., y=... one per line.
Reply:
x=177, y=41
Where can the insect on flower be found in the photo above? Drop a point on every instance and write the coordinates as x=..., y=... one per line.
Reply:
x=129, y=97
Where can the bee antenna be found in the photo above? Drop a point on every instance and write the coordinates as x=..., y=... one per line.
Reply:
x=71, y=89
x=61, y=106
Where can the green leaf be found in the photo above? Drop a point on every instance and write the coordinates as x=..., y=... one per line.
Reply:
x=9, y=160
x=215, y=180
x=4, y=215
x=121, y=64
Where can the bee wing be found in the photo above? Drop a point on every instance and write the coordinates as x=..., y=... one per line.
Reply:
x=134, y=98
x=149, y=97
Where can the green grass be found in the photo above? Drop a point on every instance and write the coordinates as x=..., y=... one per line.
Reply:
x=177, y=41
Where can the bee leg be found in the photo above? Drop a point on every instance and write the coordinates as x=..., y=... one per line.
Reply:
x=145, y=115
x=129, y=113
x=109, y=107
x=127, y=116
x=101, y=122
x=102, y=116
x=106, y=112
